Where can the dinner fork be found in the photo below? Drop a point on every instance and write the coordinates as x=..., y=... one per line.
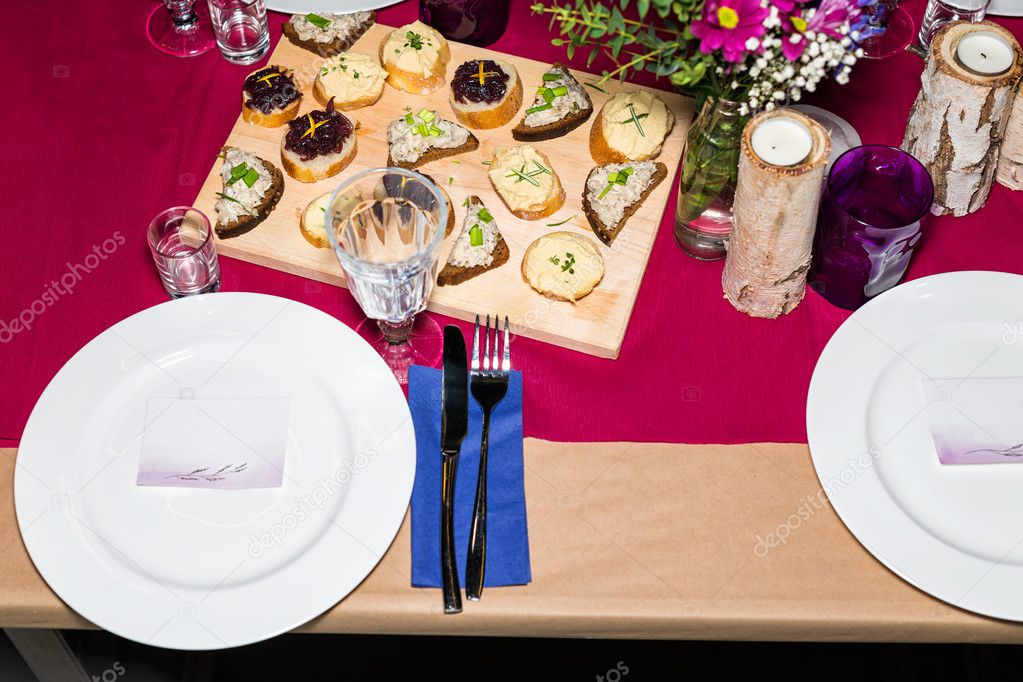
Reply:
x=488, y=384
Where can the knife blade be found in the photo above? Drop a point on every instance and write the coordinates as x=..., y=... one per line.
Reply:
x=454, y=422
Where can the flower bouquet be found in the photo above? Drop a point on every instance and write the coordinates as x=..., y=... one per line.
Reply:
x=737, y=57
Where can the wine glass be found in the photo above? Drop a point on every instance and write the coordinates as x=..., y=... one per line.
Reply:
x=885, y=29
x=386, y=226
x=181, y=30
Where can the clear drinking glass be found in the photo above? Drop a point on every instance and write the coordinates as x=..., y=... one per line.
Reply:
x=181, y=241
x=941, y=12
x=178, y=28
x=241, y=30
x=386, y=226
x=871, y=219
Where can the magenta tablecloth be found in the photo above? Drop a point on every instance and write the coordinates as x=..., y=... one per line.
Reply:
x=104, y=132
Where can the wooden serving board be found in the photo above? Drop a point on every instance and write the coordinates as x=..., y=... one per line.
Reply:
x=595, y=325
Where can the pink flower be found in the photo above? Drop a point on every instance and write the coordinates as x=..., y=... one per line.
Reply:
x=830, y=16
x=727, y=25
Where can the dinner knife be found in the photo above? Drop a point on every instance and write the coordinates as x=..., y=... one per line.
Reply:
x=454, y=422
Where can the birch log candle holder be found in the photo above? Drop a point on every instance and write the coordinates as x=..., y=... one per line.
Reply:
x=956, y=124
x=775, y=212
x=1010, y=158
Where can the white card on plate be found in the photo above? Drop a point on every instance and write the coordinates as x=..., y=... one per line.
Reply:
x=976, y=421
x=214, y=442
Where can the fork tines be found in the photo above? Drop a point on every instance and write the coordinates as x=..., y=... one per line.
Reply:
x=490, y=363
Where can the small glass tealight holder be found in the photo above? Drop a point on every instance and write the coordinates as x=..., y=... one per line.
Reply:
x=181, y=241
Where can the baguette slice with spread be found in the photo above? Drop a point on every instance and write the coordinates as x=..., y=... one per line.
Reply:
x=563, y=266
x=416, y=58
x=631, y=126
x=485, y=93
x=252, y=188
x=417, y=139
x=561, y=105
x=270, y=97
x=478, y=248
x=318, y=145
x=353, y=80
x=614, y=192
x=313, y=223
x=526, y=182
x=328, y=34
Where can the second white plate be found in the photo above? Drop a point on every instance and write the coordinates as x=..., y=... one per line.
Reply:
x=955, y=532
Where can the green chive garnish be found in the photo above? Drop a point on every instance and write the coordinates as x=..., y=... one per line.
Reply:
x=595, y=87
x=562, y=222
x=221, y=194
x=539, y=107
x=521, y=175
x=635, y=118
x=250, y=177
x=561, y=91
x=549, y=77
x=485, y=216
x=317, y=21
x=427, y=115
x=410, y=119
x=475, y=236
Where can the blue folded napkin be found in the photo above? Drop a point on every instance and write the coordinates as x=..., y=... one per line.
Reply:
x=507, y=558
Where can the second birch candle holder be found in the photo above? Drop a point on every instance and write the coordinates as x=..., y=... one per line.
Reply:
x=781, y=176
x=956, y=125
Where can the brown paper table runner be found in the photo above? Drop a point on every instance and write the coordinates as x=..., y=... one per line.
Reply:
x=633, y=541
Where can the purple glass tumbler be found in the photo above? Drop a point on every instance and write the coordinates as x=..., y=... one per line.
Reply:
x=871, y=219
x=477, y=22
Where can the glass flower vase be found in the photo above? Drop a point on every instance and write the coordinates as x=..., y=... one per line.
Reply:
x=703, y=217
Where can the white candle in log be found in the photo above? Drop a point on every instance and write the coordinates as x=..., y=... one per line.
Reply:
x=782, y=141
x=985, y=52
x=958, y=120
x=775, y=209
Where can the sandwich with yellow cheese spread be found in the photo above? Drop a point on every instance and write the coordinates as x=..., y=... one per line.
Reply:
x=416, y=58
x=353, y=79
x=563, y=266
x=631, y=126
x=526, y=182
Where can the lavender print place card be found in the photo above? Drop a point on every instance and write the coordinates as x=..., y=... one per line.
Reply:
x=976, y=421
x=227, y=443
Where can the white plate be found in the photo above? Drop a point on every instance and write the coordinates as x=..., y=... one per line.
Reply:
x=955, y=532
x=205, y=569
x=1006, y=8
x=343, y=6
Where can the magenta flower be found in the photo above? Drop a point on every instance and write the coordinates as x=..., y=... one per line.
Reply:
x=830, y=16
x=727, y=25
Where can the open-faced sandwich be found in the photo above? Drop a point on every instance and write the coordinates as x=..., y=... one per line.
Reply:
x=352, y=79
x=560, y=106
x=631, y=126
x=252, y=188
x=313, y=224
x=270, y=97
x=478, y=248
x=563, y=265
x=327, y=34
x=614, y=192
x=526, y=181
x=416, y=58
x=318, y=145
x=418, y=138
x=449, y=224
x=485, y=93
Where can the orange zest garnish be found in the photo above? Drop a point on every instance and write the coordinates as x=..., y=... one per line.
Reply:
x=312, y=126
x=267, y=77
x=482, y=75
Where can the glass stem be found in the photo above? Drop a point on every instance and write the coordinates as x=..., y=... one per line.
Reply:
x=396, y=333
x=182, y=14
